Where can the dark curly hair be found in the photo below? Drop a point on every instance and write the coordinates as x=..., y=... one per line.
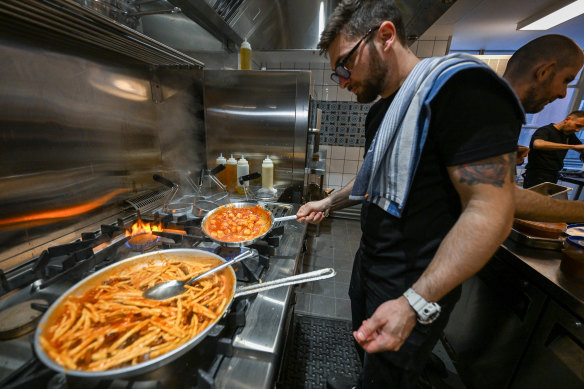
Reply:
x=355, y=17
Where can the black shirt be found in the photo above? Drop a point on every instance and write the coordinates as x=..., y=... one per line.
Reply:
x=549, y=160
x=472, y=118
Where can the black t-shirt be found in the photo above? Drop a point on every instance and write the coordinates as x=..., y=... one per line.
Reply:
x=472, y=118
x=549, y=160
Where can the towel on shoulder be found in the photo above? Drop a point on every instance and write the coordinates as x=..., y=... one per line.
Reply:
x=387, y=172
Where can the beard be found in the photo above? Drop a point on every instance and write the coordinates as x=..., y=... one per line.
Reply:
x=372, y=87
x=532, y=103
x=537, y=97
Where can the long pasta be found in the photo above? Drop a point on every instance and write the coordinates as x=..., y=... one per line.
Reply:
x=111, y=325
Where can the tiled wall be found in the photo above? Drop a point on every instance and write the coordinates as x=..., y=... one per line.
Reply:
x=343, y=122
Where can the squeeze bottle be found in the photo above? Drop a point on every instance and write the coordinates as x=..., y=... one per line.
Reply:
x=221, y=175
x=242, y=170
x=245, y=54
x=230, y=174
x=268, y=173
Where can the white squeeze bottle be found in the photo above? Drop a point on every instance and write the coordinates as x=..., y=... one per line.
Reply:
x=268, y=173
x=231, y=174
x=222, y=174
x=242, y=170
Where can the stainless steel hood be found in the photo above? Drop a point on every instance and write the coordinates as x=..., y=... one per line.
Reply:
x=211, y=25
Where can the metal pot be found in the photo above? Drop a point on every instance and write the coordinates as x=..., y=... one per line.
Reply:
x=146, y=366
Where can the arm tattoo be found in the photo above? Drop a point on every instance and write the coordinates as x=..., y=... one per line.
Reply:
x=492, y=171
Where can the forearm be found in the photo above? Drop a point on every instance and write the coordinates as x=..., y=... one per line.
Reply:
x=469, y=245
x=339, y=200
x=541, y=144
x=533, y=206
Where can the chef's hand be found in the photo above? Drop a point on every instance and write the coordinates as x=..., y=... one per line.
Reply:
x=314, y=211
x=391, y=323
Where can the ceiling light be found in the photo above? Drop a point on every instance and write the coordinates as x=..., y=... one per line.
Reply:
x=560, y=12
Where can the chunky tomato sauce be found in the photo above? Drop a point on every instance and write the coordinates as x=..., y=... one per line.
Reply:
x=230, y=224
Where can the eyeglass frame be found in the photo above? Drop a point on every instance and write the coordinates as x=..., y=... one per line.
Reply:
x=335, y=76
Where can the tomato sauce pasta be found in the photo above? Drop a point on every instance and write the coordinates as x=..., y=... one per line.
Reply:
x=111, y=325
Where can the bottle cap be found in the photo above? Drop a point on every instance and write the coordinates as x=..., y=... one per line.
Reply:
x=242, y=160
x=245, y=44
x=231, y=160
x=221, y=159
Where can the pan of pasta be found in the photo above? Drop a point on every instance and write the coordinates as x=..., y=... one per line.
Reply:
x=237, y=224
x=103, y=327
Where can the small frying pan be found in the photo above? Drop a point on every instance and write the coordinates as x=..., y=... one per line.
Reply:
x=272, y=221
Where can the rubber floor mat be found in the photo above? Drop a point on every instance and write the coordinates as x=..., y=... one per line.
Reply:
x=322, y=348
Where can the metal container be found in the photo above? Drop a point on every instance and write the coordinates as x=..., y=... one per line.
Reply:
x=143, y=367
x=551, y=190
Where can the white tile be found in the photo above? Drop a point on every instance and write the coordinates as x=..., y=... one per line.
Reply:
x=414, y=47
x=347, y=178
x=329, y=92
x=317, y=76
x=440, y=48
x=425, y=49
x=350, y=167
x=326, y=148
x=344, y=94
x=337, y=165
x=352, y=154
x=335, y=179
x=301, y=65
x=338, y=152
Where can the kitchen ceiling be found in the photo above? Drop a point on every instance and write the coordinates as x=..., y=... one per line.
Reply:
x=490, y=25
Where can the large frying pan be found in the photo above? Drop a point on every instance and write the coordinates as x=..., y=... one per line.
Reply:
x=271, y=221
x=175, y=254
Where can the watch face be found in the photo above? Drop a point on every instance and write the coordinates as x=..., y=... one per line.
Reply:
x=429, y=313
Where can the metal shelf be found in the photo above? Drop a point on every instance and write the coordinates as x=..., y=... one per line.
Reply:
x=71, y=24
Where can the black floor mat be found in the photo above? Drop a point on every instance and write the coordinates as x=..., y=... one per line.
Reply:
x=322, y=348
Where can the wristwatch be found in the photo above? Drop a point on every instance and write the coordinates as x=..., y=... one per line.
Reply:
x=425, y=311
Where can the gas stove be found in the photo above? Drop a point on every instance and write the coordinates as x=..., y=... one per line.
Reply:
x=244, y=348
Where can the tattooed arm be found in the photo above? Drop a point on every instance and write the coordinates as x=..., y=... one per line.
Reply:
x=486, y=191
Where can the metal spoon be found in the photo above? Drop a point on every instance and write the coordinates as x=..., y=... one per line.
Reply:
x=169, y=289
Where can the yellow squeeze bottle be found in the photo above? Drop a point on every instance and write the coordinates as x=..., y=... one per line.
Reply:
x=245, y=54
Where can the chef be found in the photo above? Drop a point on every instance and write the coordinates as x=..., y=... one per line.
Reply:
x=549, y=145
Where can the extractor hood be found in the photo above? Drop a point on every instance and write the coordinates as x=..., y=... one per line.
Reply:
x=200, y=25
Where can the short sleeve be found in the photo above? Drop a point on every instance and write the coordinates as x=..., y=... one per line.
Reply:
x=475, y=117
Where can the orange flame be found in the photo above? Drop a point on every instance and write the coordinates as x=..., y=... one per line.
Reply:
x=143, y=228
x=58, y=214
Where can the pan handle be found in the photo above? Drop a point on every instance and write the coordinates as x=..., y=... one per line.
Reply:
x=285, y=218
x=239, y=258
x=249, y=177
x=162, y=180
x=315, y=275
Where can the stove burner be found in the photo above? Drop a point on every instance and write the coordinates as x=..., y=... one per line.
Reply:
x=20, y=319
x=142, y=242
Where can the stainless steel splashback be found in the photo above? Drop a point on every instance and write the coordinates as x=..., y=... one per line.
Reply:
x=79, y=135
x=256, y=113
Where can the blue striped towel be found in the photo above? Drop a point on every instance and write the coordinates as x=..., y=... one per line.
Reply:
x=391, y=161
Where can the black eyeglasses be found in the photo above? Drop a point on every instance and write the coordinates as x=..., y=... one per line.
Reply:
x=340, y=70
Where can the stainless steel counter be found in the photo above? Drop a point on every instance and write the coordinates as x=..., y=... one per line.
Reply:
x=542, y=267
x=259, y=346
